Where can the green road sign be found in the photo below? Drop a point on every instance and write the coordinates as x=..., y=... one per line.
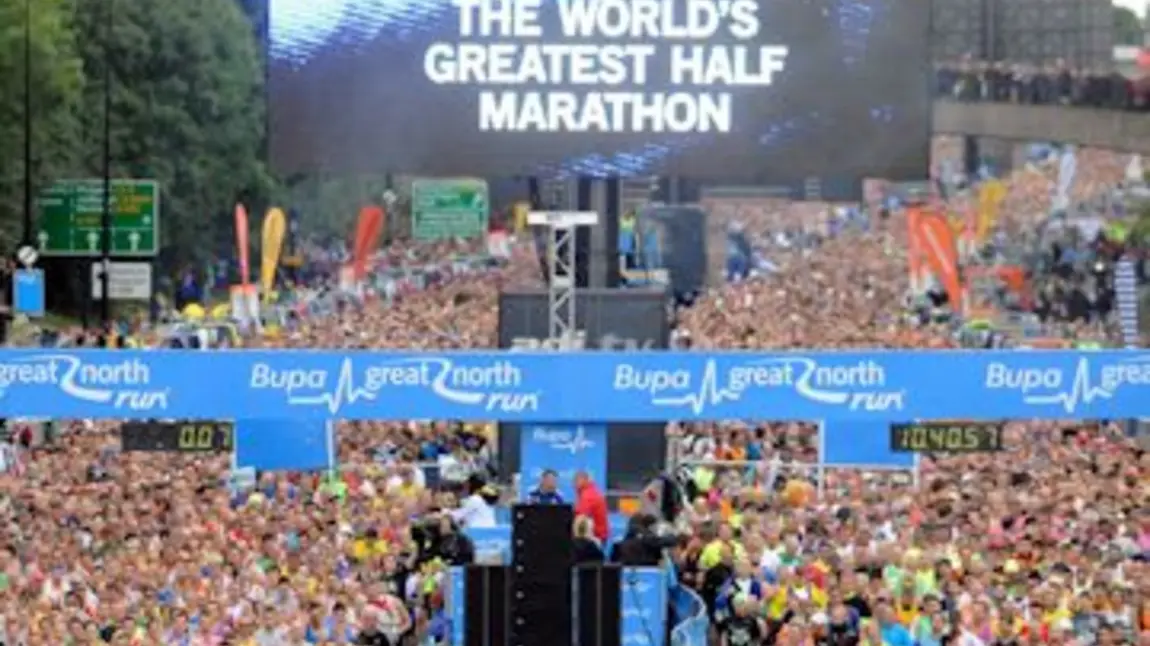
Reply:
x=445, y=208
x=70, y=213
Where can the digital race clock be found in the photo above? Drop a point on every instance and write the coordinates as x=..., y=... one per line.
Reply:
x=946, y=437
x=184, y=436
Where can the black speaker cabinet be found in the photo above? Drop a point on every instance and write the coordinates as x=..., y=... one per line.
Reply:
x=487, y=615
x=543, y=552
x=541, y=536
x=598, y=618
x=610, y=224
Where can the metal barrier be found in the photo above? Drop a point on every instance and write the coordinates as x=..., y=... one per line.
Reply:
x=754, y=472
x=769, y=473
x=690, y=617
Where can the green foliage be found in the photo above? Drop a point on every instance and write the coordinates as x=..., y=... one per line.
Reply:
x=57, y=80
x=329, y=204
x=187, y=109
x=1127, y=27
x=1141, y=229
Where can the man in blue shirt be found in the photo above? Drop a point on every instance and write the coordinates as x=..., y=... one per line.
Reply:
x=547, y=493
x=893, y=633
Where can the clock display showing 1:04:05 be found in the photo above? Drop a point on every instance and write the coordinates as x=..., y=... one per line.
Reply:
x=946, y=437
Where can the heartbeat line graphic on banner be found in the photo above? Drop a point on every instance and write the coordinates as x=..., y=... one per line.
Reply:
x=708, y=394
x=344, y=392
x=1081, y=391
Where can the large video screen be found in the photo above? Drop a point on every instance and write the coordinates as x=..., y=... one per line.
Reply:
x=725, y=89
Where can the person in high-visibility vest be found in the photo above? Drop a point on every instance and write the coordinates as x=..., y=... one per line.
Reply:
x=627, y=242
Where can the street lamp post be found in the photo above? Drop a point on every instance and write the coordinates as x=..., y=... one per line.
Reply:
x=106, y=215
x=26, y=239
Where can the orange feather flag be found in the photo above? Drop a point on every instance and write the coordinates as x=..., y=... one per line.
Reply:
x=368, y=230
x=939, y=248
x=242, y=241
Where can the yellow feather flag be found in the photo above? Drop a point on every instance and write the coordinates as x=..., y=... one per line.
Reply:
x=990, y=197
x=271, y=243
x=519, y=213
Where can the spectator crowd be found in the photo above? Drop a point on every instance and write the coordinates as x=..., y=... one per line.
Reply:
x=1047, y=543
x=1054, y=84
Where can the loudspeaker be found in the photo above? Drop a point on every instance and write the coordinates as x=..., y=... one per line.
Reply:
x=582, y=257
x=583, y=252
x=610, y=223
x=541, y=536
x=534, y=196
x=543, y=551
x=598, y=610
x=487, y=614
x=971, y=156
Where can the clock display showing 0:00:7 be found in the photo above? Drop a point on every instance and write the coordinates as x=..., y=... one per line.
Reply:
x=205, y=436
x=181, y=436
x=946, y=437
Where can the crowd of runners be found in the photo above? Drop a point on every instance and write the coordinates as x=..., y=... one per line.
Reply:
x=1047, y=543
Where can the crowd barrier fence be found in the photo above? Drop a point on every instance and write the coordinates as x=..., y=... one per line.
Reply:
x=689, y=617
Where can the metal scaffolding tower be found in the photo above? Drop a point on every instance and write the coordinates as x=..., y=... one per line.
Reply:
x=561, y=270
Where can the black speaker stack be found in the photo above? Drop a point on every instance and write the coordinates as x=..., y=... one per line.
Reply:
x=543, y=553
x=598, y=621
x=486, y=614
x=535, y=600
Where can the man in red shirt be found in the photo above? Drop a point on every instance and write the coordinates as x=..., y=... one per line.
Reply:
x=591, y=503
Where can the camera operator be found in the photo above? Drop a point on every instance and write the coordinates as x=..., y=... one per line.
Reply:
x=438, y=537
x=642, y=546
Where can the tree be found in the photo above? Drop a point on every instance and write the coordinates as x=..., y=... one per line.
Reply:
x=57, y=78
x=1127, y=27
x=187, y=109
x=329, y=205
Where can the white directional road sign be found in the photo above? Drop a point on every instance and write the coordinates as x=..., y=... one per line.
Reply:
x=128, y=281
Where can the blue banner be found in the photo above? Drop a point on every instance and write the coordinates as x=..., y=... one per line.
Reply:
x=565, y=449
x=575, y=387
x=28, y=292
x=861, y=444
x=644, y=607
x=492, y=544
x=456, y=602
x=284, y=445
x=1127, y=302
x=1067, y=169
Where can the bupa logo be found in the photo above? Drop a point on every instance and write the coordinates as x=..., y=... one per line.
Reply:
x=492, y=387
x=1069, y=389
x=492, y=546
x=573, y=442
x=859, y=386
x=635, y=612
x=121, y=385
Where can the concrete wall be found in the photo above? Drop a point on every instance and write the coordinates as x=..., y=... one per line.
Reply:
x=1128, y=131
